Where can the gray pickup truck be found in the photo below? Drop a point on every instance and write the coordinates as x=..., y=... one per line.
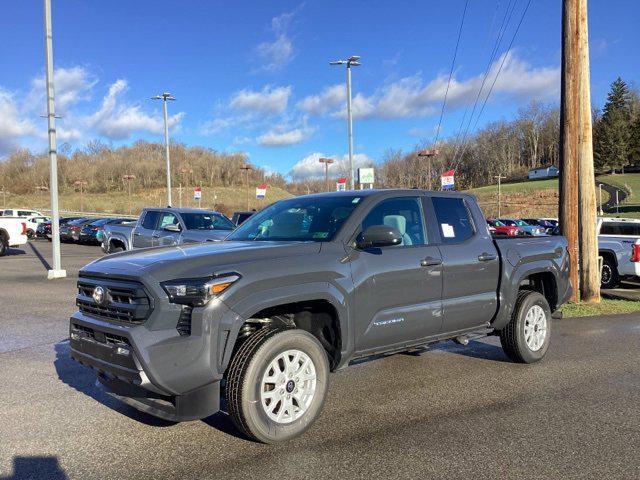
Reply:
x=301, y=289
x=159, y=227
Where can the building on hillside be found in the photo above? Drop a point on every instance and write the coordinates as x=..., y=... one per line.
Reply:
x=547, y=171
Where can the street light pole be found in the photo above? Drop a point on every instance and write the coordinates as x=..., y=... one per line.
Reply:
x=353, y=60
x=499, y=177
x=165, y=97
x=56, y=271
x=81, y=184
x=128, y=178
x=428, y=154
x=246, y=168
x=327, y=162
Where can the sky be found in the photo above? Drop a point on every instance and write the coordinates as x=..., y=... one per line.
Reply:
x=254, y=76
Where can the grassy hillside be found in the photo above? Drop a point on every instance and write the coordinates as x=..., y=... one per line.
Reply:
x=630, y=183
x=229, y=199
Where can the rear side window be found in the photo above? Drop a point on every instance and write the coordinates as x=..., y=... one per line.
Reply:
x=453, y=219
x=620, y=228
x=150, y=220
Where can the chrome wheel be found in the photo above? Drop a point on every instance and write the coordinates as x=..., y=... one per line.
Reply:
x=607, y=274
x=288, y=386
x=535, y=328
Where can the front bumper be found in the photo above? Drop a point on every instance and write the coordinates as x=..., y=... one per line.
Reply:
x=151, y=366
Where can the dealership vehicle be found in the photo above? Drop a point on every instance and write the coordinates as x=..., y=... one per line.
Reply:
x=240, y=217
x=44, y=229
x=20, y=212
x=502, y=229
x=167, y=226
x=548, y=225
x=70, y=231
x=619, y=247
x=91, y=233
x=534, y=230
x=33, y=223
x=13, y=233
x=301, y=289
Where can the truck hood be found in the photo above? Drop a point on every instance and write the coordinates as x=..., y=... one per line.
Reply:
x=197, y=236
x=196, y=260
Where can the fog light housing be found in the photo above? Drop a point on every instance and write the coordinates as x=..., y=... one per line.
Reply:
x=122, y=351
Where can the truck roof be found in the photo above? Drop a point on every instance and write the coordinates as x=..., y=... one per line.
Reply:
x=183, y=210
x=383, y=192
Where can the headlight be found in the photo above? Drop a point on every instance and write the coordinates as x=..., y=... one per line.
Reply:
x=197, y=291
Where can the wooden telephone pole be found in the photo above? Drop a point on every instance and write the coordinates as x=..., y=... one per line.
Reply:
x=577, y=181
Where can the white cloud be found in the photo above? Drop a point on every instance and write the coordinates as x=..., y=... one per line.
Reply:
x=71, y=85
x=277, y=53
x=268, y=100
x=118, y=121
x=309, y=168
x=13, y=127
x=412, y=97
x=283, y=136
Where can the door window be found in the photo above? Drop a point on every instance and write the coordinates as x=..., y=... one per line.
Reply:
x=167, y=218
x=453, y=219
x=150, y=220
x=402, y=213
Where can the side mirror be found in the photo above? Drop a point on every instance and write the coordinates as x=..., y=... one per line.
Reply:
x=172, y=227
x=377, y=236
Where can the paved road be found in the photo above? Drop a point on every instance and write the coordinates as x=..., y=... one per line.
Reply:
x=452, y=412
x=610, y=205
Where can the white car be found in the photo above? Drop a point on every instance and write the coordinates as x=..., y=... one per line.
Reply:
x=13, y=233
x=20, y=212
x=619, y=247
x=32, y=224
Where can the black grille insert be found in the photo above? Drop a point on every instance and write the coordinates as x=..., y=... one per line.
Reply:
x=122, y=300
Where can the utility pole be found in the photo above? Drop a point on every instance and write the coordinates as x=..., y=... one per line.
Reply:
x=499, y=177
x=353, y=60
x=81, y=184
x=183, y=171
x=166, y=97
x=56, y=271
x=600, y=198
x=428, y=154
x=246, y=169
x=327, y=162
x=128, y=178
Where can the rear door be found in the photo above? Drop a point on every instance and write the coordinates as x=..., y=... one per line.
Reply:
x=397, y=288
x=471, y=267
x=163, y=237
x=145, y=229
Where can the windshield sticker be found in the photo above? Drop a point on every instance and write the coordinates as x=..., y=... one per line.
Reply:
x=355, y=200
x=447, y=230
x=320, y=234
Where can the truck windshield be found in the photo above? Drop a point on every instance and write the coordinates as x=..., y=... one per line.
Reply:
x=206, y=221
x=313, y=219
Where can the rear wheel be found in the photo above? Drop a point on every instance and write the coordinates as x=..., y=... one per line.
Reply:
x=525, y=339
x=3, y=245
x=115, y=249
x=276, y=384
x=609, y=277
x=31, y=234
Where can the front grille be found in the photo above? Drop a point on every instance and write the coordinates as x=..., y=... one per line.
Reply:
x=123, y=300
x=184, y=322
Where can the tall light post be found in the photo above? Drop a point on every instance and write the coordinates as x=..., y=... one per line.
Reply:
x=40, y=189
x=166, y=97
x=499, y=177
x=327, y=162
x=428, y=154
x=246, y=169
x=56, y=271
x=81, y=184
x=128, y=178
x=353, y=60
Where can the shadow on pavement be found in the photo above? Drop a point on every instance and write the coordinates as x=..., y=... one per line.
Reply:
x=40, y=257
x=13, y=252
x=83, y=380
x=477, y=349
x=36, y=467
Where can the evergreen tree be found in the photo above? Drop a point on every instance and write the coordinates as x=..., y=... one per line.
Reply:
x=634, y=142
x=612, y=132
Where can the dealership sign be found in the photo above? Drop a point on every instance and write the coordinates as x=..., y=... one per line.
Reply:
x=261, y=190
x=197, y=193
x=341, y=184
x=447, y=181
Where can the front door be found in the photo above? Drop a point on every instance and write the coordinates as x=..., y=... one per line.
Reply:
x=398, y=288
x=164, y=237
x=144, y=231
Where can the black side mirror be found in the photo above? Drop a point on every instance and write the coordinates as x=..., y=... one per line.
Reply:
x=377, y=236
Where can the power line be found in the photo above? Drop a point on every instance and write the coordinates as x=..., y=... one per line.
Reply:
x=453, y=61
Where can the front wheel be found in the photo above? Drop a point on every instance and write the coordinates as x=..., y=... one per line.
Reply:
x=525, y=339
x=31, y=234
x=609, y=278
x=276, y=384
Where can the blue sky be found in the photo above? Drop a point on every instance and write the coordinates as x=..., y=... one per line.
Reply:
x=253, y=76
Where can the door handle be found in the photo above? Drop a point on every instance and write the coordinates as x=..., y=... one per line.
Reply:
x=135, y=234
x=487, y=257
x=156, y=235
x=430, y=262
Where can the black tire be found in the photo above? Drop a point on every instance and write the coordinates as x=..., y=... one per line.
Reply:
x=244, y=382
x=512, y=337
x=115, y=249
x=609, y=278
x=31, y=234
x=3, y=246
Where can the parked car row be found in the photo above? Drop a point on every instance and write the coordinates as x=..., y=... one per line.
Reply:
x=512, y=227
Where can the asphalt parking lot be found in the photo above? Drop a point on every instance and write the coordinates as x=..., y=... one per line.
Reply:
x=449, y=412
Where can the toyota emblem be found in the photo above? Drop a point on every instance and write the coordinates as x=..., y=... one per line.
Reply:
x=98, y=294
